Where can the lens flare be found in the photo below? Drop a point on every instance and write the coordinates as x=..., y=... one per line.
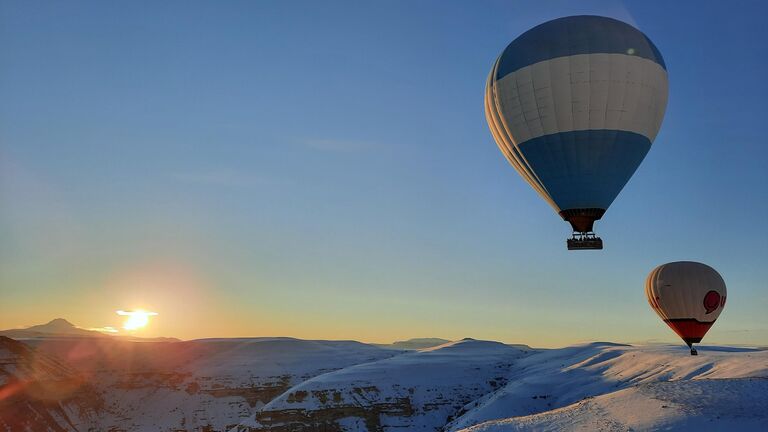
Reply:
x=136, y=319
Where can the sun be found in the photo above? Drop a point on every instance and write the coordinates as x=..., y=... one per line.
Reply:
x=136, y=319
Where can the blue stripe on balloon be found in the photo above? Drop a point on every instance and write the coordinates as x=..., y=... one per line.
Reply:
x=585, y=34
x=587, y=168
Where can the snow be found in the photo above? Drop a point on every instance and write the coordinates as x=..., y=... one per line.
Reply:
x=706, y=404
x=163, y=386
x=225, y=381
x=239, y=359
x=596, y=386
x=415, y=391
x=558, y=378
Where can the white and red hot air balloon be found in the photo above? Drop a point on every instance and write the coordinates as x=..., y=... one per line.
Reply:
x=688, y=296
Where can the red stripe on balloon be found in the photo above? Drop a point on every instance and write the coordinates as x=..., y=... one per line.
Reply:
x=689, y=329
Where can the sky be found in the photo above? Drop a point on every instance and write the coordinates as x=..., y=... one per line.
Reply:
x=324, y=170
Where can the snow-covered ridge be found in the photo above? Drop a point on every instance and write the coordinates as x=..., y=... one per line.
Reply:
x=737, y=404
x=423, y=390
x=413, y=391
x=557, y=378
x=224, y=381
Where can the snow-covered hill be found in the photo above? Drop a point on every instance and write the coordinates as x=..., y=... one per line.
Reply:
x=703, y=405
x=557, y=378
x=414, y=391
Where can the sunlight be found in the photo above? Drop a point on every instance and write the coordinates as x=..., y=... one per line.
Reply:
x=136, y=319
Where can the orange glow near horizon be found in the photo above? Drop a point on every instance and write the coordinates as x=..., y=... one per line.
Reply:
x=136, y=319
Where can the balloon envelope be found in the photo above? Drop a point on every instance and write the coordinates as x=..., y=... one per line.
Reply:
x=688, y=296
x=574, y=104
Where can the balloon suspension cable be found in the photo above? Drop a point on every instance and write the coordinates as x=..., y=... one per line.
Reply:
x=584, y=241
x=693, y=350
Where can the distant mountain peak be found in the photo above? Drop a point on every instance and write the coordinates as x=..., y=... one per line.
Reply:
x=59, y=322
x=58, y=325
x=54, y=328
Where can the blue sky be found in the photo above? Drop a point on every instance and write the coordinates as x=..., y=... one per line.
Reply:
x=325, y=170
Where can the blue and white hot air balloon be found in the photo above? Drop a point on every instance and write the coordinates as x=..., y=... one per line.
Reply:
x=574, y=104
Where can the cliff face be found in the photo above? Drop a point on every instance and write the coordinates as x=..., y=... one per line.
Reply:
x=40, y=393
x=197, y=385
x=415, y=391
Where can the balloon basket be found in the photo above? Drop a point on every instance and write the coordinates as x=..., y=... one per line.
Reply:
x=584, y=241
